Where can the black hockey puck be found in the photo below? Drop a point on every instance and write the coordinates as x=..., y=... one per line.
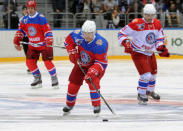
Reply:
x=105, y=120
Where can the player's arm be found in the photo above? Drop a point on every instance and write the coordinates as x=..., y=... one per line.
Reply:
x=47, y=31
x=19, y=36
x=160, y=46
x=123, y=37
x=71, y=48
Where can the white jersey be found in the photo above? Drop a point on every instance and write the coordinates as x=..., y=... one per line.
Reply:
x=144, y=36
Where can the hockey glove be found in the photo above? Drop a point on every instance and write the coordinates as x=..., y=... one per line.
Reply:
x=163, y=51
x=49, y=41
x=18, y=37
x=73, y=56
x=128, y=47
x=92, y=73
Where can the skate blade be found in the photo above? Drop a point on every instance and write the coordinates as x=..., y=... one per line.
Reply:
x=66, y=113
x=96, y=114
x=37, y=86
x=56, y=87
x=151, y=98
x=142, y=102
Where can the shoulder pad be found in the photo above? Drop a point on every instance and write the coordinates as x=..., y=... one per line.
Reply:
x=135, y=20
x=77, y=31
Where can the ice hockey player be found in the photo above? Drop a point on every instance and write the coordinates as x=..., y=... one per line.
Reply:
x=146, y=36
x=90, y=48
x=37, y=29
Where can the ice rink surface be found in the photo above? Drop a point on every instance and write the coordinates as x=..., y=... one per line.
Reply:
x=26, y=109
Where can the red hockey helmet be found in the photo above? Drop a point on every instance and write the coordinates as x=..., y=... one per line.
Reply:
x=31, y=3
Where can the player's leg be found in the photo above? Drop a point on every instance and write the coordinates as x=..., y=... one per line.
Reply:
x=144, y=70
x=25, y=48
x=75, y=81
x=152, y=82
x=31, y=61
x=47, y=56
x=95, y=97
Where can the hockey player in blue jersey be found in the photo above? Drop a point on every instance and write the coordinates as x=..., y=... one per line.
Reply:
x=90, y=48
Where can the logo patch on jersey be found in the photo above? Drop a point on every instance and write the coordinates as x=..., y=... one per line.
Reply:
x=25, y=21
x=150, y=38
x=32, y=31
x=99, y=42
x=78, y=41
x=141, y=26
x=77, y=31
x=85, y=58
x=42, y=15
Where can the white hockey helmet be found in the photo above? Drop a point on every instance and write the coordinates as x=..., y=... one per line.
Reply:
x=89, y=26
x=149, y=9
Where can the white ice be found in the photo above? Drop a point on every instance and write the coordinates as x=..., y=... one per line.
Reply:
x=26, y=109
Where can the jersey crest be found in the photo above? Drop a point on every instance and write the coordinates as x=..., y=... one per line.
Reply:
x=99, y=42
x=150, y=38
x=85, y=58
x=32, y=31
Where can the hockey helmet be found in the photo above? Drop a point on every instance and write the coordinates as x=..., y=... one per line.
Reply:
x=149, y=9
x=31, y=3
x=89, y=26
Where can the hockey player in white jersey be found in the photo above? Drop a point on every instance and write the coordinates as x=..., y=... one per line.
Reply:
x=146, y=36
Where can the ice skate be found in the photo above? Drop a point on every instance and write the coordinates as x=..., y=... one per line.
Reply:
x=153, y=95
x=96, y=110
x=37, y=83
x=28, y=71
x=142, y=99
x=54, y=80
x=67, y=110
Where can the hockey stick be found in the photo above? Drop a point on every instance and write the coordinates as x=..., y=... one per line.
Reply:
x=157, y=52
x=96, y=89
x=27, y=43
x=62, y=47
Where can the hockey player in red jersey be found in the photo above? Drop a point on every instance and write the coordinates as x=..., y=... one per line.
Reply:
x=146, y=36
x=37, y=29
x=90, y=48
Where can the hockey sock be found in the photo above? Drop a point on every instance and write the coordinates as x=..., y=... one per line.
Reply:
x=50, y=67
x=72, y=94
x=151, y=85
x=32, y=65
x=95, y=97
x=142, y=87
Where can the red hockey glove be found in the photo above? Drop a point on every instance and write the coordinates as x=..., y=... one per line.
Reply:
x=18, y=47
x=18, y=37
x=73, y=56
x=163, y=50
x=49, y=41
x=128, y=46
x=92, y=73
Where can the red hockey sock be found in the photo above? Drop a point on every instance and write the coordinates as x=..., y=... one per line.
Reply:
x=50, y=67
x=32, y=65
x=95, y=97
x=72, y=94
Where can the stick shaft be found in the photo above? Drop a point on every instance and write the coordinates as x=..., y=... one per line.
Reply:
x=96, y=89
x=157, y=52
x=27, y=43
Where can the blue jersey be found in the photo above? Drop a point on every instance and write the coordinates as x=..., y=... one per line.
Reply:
x=94, y=52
